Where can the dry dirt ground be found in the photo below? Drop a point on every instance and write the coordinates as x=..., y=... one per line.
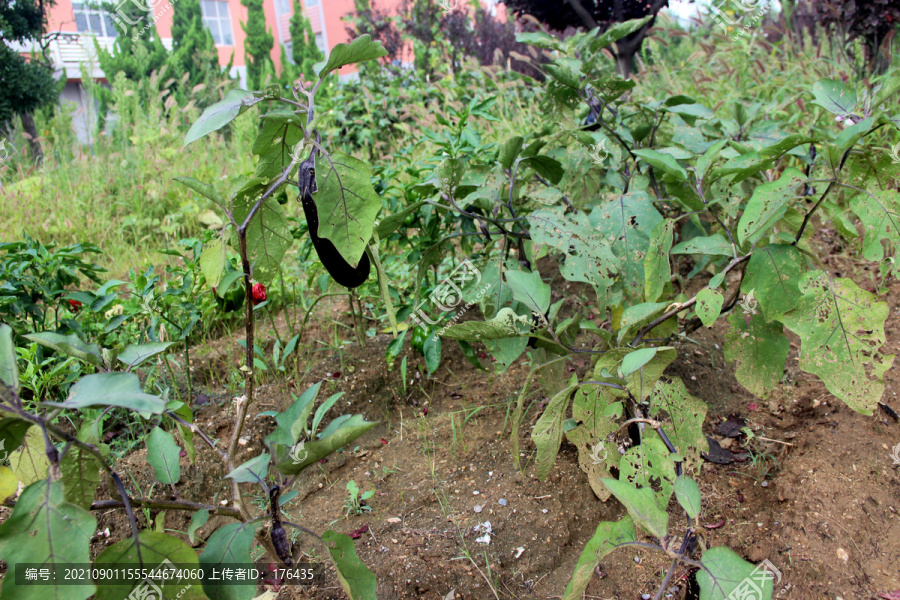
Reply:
x=818, y=494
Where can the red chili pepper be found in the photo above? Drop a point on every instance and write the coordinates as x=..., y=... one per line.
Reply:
x=75, y=305
x=259, y=293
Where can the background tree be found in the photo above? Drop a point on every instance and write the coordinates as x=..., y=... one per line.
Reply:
x=257, y=45
x=872, y=21
x=560, y=15
x=304, y=51
x=27, y=84
x=137, y=52
x=193, y=48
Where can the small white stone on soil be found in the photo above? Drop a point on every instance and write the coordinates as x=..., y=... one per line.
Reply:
x=519, y=551
x=242, y=441
x=842, y=554
x=544, y=510
x=478, y=508
x=394, y=520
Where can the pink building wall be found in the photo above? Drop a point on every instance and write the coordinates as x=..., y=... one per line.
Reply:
x=326, y=18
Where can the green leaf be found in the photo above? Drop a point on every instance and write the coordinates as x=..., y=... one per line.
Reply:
x=509, y=152
x=617, y=32
x=664, y=162
x=45, y=529
x=29, y=462
x=432, y=351
x=641, y=506
x=530, y=290
x=357, y=581
x=608, y=536
x=298, y=412
x=12, y=434
x=548, y=431
x=198, y=520
x=349, y=429
x=268, y=234
x=383, y=284
x=281, y=130
x=879, y=212
x=657, y=269
x=469, y=352
x=136, y=354
x=760, y=350
x=228, y=544
x=347, y=203
x=767, y=205
x=772, y=275
x=9, y=483
x=687, y=492
x=70, y=345
x=324, y=408
x=709, y=306
x=113, y=389
x=635, y=360
x=685, y=415
x=391, y=223
x=220, y=114
x=713, y=245
x=212, y=261
x=505, y=325
x=841, y=329
x=625, y=224
x=359, y=50
x=725, y=572
x=637, y=315
x=834, y=96
x=252, y=471
x=163, y=455
x=9, y=369
x=80, y=476
x=589, y=258
x=548, y=168
x=539, y=39
x=151, y=550
x=649, y=465
x=204, y=189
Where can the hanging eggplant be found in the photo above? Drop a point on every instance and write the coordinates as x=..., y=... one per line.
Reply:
x=335, y=264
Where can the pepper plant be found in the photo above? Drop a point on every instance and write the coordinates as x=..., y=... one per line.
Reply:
x=51, y=523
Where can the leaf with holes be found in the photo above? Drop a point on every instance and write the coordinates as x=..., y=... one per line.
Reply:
x=709, y=306
x=841, y=330
x=648, y=465
x=280, y=131
x=879, y=212
x=773, y=273
x=625, y=223
x=548, y=431
x=686, y=414
x=767, y=205
x=657, y=270
x=44, y=529
x=596, y=453
x=588, y=258
x=347, y=204
x=760, y=350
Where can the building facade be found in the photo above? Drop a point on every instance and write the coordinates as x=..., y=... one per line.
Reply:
x=78, y=25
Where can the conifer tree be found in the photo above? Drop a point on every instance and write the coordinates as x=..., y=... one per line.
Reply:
x=258, y=44
x=303, y=42
x=193, y=47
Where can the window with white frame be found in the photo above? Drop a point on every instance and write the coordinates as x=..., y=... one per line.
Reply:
x=320, y=42
x=217, y=19
x=93, y=20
